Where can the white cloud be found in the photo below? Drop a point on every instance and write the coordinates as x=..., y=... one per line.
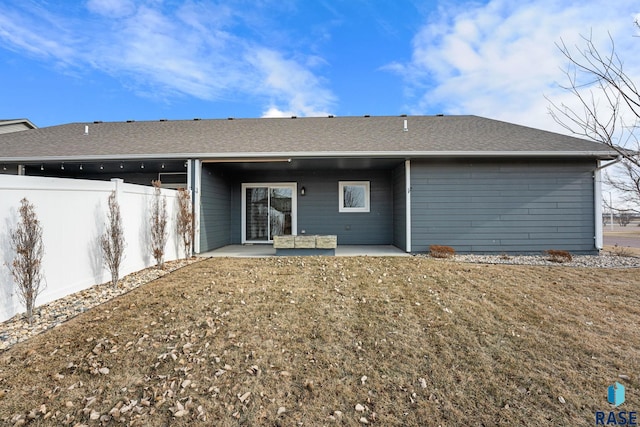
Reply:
x=500, y=59
x=195, y=49
x=275, y=112
x=288, y=82
x=33, y=35
x=111, y=8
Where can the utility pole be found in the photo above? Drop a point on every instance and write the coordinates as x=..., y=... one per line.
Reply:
x=611, y=210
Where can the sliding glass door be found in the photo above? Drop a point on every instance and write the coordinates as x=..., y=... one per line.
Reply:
x=268, y=210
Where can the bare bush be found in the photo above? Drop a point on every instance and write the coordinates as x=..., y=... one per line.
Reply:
x=624, y=218
x=185, y=220
x=158, y=224
x=556, y=255
x=112, y=241
x=26, y=268
x=438, y=251
x=621, y=251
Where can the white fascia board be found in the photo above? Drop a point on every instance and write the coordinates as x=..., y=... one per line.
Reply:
x=315, y=155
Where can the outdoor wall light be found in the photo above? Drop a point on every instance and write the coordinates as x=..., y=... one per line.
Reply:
x=121, y=165
x=101, y=166
x=41, y=167
x=81, y=166
x=4, y=167
x=303, y=191
x=162, y=166
x=62, y=166
x=141, y=165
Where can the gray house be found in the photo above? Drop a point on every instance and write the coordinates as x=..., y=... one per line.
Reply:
x=476, y=184
x=15, y=125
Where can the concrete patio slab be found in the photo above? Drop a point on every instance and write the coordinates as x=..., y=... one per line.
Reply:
x=252, y=251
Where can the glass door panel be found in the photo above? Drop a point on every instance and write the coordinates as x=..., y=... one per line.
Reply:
x=257, y=206
x=280, y=211
x=269, y=210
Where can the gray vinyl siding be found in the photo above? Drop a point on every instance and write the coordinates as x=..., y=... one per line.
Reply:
x=215, y=210
x=318, y=209
x=503, y=206
x=399, y=207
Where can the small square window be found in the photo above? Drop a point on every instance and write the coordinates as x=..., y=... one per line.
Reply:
x=354, y=196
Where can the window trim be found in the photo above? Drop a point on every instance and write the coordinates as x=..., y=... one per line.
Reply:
x=367, y=197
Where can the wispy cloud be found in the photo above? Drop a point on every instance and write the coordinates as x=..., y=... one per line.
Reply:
x=290, y=84
x=499, y=59
x=196, y=49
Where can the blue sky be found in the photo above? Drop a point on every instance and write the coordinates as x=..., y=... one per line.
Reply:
x=113, y=60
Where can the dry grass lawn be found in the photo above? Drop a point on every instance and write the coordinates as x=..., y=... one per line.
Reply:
x=338, y=341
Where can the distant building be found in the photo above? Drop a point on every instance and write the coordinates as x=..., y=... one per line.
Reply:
x=15, y=125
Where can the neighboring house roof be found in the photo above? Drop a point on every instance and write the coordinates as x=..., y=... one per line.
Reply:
x=379, y=136
x=15, y=125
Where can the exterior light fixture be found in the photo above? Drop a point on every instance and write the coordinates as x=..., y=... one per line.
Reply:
x=121, y=165
x=162, y=166
x=141, y=165
x=81, y=166
x=303, y=191
x=41, y=167
x=101, y=166
x=62, y=166
x=4, y=167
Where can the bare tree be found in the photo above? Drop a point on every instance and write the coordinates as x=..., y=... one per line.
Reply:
x=26, y=268
x=158, y=224
x=112, y=241
x=609, y=110
x=185, y=220
x=624, y=218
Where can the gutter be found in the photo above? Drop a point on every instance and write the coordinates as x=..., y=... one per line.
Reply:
x=245, y=156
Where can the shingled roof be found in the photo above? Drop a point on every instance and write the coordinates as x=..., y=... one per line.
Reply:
x=379, y=136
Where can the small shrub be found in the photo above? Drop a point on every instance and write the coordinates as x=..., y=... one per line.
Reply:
x=112, y=241
x=556, y=255
x=504, y=256
x=185, y=220
x=26, y=241
x=158, y=224
x=438, y=251
x=620, y=250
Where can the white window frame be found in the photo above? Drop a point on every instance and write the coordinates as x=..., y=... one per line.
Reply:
x=294, y=207
x=367, y=197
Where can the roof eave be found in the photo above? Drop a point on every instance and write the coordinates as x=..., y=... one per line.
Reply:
x=317, y=154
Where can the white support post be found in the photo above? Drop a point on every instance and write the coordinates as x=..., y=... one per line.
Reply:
x=197, y=179
x=407, y=175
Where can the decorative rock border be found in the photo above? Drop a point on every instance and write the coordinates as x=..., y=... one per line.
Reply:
x=52, y=314
x=604, y=260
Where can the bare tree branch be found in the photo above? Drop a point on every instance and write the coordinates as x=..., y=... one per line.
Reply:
x=608, y=112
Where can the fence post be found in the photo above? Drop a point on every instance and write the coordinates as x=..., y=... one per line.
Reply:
x=117, y=182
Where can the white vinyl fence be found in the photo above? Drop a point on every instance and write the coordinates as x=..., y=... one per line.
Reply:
x=73, y=215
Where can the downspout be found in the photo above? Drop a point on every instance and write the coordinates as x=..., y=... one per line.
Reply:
x=597, y=201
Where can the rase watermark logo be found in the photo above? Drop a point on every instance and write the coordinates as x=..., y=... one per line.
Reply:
x=615, y=396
